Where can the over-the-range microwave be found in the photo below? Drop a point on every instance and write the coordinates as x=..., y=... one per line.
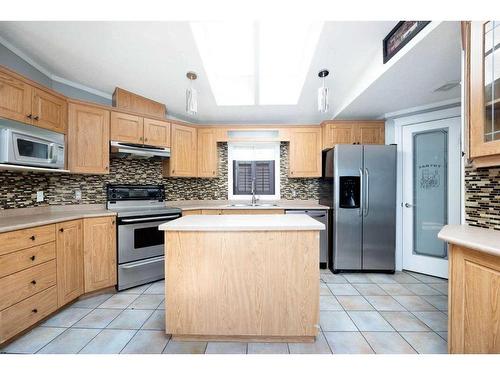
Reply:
x=30, y=146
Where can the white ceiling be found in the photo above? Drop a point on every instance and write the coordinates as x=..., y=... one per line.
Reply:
x=152, y=58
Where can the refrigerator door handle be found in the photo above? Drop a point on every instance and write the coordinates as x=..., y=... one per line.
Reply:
x=361, y=193
x=367, y=193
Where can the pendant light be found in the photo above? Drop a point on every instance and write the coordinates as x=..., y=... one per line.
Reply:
x=323, y=105
x=191, y=95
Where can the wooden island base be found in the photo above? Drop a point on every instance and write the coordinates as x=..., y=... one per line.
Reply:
x=239, y=285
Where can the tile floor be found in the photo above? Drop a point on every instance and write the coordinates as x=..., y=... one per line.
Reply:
x=360, y=313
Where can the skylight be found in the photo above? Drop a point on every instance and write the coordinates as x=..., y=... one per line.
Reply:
x=256, y=63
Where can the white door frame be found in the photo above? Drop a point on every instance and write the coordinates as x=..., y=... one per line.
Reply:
x=399, y=123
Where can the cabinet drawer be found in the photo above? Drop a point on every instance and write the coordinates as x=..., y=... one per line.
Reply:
x=20, y=260
x=24, y=284
x=24, y=238
x=26, y=313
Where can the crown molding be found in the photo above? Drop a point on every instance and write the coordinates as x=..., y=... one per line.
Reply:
x=49, y=74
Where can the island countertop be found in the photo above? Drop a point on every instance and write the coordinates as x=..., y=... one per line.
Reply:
x=231, y=223
x=480, y=239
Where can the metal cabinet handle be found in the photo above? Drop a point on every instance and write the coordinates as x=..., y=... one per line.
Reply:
x=33, y=238
x=361, y=193
x=150, y=218
x=408, y=205
x=29, y=116
x=36, y=118
x=61, y=230
x=33, y=282
x=367, y=192
x=32, y=257
x=34, y=311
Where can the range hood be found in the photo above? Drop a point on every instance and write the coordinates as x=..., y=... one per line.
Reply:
x=135, y=151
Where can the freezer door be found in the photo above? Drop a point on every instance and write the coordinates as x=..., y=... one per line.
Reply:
x=347, y=223
x=379, y=208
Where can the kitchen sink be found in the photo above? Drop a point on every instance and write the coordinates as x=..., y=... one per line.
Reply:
x=252, y=205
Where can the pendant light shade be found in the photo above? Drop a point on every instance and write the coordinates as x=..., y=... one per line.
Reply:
x=191, y=95
x=323, y=105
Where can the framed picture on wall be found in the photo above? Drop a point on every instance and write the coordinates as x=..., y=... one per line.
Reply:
x=402, y=33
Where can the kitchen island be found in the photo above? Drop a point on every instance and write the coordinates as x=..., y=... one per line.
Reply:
x=242, y=277
x=474, y=289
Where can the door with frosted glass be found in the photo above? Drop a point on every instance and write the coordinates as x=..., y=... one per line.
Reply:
x=431, y=193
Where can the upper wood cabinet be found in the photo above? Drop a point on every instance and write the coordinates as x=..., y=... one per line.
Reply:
x=49, y=111
x=127, y=128
x=156, y=133
x=88, y=139
x=183, y=158
x=129, y=101
x=207, y=153
x=305, y=152
x=15, y=98
x=99, y=253
x=481, y=41
x=69, y=261
x=369, y=133
x=353, y=132
x=25, y=102
x=338, y=133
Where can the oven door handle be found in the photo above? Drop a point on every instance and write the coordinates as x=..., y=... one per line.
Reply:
x=149, y=219
x=143, y=263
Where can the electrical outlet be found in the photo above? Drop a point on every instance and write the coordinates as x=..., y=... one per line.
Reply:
x=78, y=194
x=294, y=194
x=39, y=196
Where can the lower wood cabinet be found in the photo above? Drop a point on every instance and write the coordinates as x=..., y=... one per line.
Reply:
x=99, y=252
x=69, y=261
x=24, y=314
x=44, y=268
x=474, y=302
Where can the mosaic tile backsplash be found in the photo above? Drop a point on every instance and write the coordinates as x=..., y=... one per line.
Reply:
x=18, y=190
x=482, y=197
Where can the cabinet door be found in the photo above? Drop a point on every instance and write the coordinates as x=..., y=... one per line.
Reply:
x=69, y=256
x=305, y=153
x=156, y=133
x=49, y=111
x=127, y=128
x=474, y=302
x=99, y=253
x=183, y=157
x=338, y=133
x=15, y=99
x=88, y=139
x=484, y=89
x=207, y=153
x=370, y=133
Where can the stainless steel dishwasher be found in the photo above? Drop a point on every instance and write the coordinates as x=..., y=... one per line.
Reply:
x=322, y=217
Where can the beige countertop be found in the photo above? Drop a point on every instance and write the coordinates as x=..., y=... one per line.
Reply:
x=480, y=239
x=22, y=218
x=226, y=204
x=232, y=223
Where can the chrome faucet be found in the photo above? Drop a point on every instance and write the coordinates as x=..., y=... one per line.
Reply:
x=254, y=200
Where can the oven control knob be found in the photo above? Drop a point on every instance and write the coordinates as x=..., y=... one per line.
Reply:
x=113, y=195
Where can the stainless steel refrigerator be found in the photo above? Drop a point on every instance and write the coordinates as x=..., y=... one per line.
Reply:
x=359, y=185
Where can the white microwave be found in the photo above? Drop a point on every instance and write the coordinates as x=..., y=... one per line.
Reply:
x=38, y=148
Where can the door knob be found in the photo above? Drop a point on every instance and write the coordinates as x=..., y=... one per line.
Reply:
x=408, y=205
